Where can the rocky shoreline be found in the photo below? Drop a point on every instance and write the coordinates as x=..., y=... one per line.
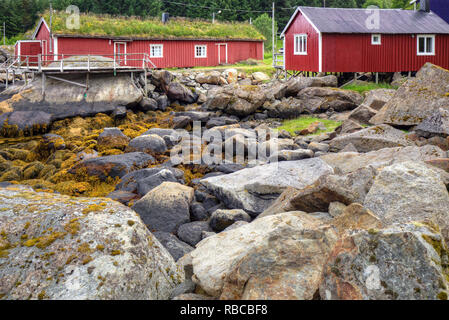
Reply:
x=360, y=212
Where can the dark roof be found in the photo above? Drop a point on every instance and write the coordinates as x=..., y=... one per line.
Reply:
x=396, y=21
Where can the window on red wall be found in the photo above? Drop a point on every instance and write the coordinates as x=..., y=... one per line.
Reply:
x=300, y=44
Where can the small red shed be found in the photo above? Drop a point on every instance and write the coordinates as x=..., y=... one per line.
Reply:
x=364, y=40
x=164, y=52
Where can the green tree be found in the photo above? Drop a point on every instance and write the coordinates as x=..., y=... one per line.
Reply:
x=263, y=23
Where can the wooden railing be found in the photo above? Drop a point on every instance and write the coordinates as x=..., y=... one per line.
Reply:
x=61, y=62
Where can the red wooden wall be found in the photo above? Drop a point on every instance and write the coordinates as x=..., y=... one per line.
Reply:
x=309, y=62
x=354, y=53
x=176, y=53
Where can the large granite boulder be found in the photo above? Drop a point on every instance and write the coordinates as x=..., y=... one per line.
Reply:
x=372, y=139
x=166, y=207
x=59, y=248
x=417, y=99
x=236, y=100
x=410, y=191
x=112, y=138
x=317, y=197
x=376, y=99
x=287, y=108
x=173, y=245
x=345, y=162
x=178, y=92
x=318, y=100
x=254, y=189
x=212, y=77
x=404, y=262
x=113, y=166
x=435, y=125
x=295, y=85
x=277, y=257
x=149, y=143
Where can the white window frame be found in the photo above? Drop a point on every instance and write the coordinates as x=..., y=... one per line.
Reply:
x=297, y=50
x=156, y=45
x=205, y=51
x=376, y=43
x=425, y=37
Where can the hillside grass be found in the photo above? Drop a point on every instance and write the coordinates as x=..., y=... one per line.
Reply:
x=106, y=25
x=302, y=123
x=362, y=87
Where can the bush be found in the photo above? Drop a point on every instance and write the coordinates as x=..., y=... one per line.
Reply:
x=263, y=24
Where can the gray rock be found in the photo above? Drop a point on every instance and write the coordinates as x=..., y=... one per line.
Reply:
x=130, y=181
x=112, y=138
x=428, y=89
x=362, y=114
x=191, y=233
x=435, y=125
x=88, y=249
x=351, y=161
x=292, y=155
x=317, y=197
x=404, y=262
x=259, y=261
x=147, y=184
x=173, y=245
x=166, y=207
x=178, y=92
x=295, y=85
x=376, y=99
x=187, y=287
x=372, y=139
x=255, y=189
x=162, y=102
x=148, y=104
x=181, y=122
x=322, y=99
x=147, y=143
x=222, y=219
x=113, y=166
x=28, y=122
x=287, y=108
x=336, y=209
x=410, y=191
x=198, y=212
x=316, y=146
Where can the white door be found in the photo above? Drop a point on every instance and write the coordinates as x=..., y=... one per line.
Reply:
x=120, y=53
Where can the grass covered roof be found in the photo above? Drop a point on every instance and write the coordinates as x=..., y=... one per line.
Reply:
x=135, y=27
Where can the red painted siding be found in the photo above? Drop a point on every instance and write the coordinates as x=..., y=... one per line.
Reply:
x=176, y=53
x=29, y=48
x=44, y=36
x=354, y=53
x=309, y=62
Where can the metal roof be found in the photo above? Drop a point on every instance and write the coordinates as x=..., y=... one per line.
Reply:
x=393, y=21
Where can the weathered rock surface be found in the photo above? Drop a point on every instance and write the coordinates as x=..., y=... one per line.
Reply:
x=174, y=246
x=222, y=219
x=317, y=197
x=113, y=166
x=435, y=125
x=112, y=138
x=60, y=248
x=407, y=262
x=30, y=122
x=260, y=260
x=295, y=85
x=166, y=207
x=254, y=189
x=191, y=233
x=356, y=217
x=318, y=100
x=428, y=89
x=410, y=191
x=150, y=143
x=376, y=99
x=373, y=138
x=178, y=92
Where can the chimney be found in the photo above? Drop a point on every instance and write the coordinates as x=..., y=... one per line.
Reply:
x=165, y=17
x=425, y=5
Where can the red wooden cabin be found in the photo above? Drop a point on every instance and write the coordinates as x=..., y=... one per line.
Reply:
x=361, y=40
x=164, y=53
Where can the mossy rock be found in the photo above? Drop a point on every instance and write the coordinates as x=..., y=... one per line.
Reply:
x=32, y=170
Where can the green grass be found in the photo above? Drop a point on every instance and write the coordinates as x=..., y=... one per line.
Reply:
x=304, y=122
x=362, y=87
x=105, y=25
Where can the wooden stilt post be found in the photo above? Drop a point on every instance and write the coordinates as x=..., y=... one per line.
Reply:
x=13, y=77
x=377, y=77
x=146, y=83
x=7, y=78
x=43, y=85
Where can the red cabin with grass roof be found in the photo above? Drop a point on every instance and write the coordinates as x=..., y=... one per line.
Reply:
x=363, y=40
x=164, y=52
